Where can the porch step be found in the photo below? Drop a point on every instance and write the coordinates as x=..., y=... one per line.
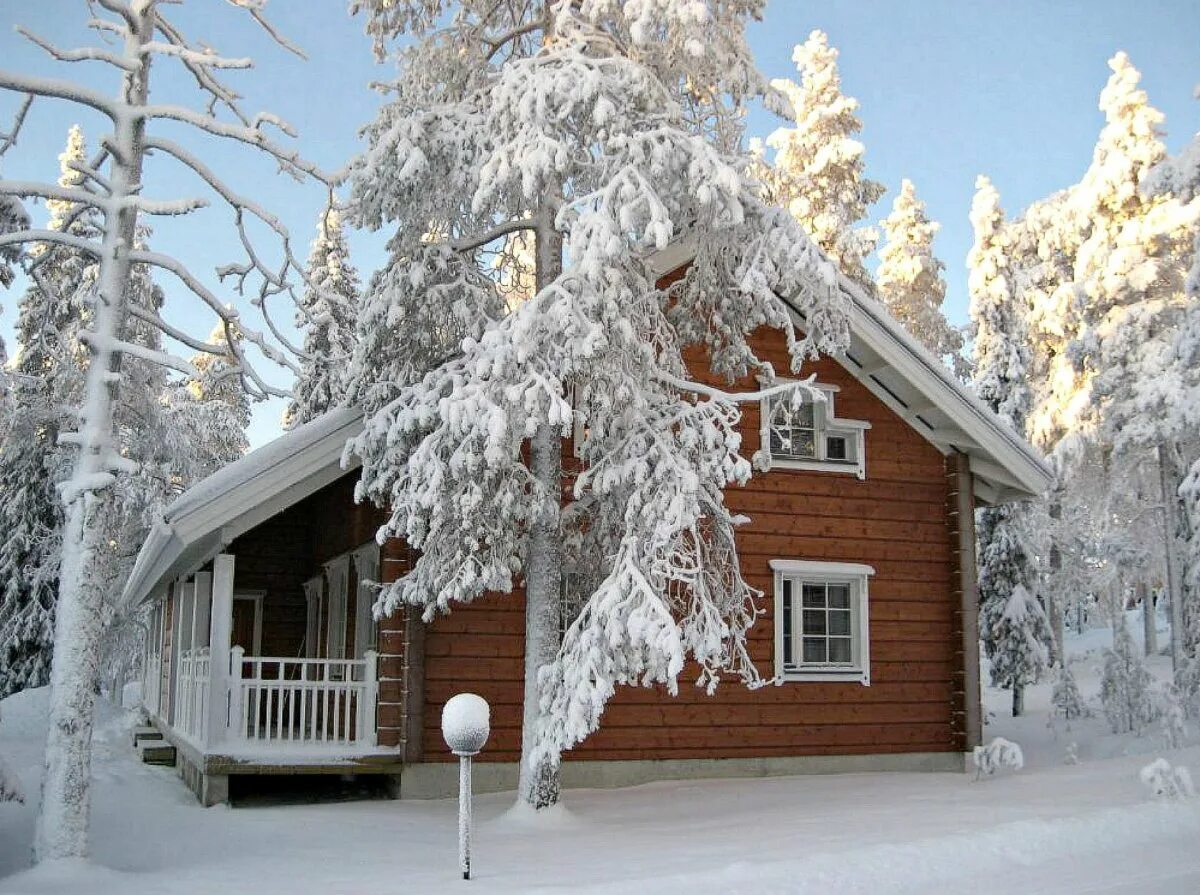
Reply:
x=145, y=733
x=157, y=752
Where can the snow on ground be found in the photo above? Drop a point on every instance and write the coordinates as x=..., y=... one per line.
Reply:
x=1053, y=827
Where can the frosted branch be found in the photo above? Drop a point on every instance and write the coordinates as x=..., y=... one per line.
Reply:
x=265, y=24
x=21, y=237
x=173, y=332
x=82, y=54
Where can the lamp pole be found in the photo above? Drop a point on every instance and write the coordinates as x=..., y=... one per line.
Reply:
x=465, y=728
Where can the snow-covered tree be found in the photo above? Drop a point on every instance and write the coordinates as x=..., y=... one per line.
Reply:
x=1126, y=687
x=910, y=281
x=327, y=313
x=1131, y=270
x=1012, y=623
x=818, y=169
x=602, y=132
x=46, y=381
x=111, y=188
x=1066, y=698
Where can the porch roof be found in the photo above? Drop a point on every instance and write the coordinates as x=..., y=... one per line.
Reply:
x=208, y=516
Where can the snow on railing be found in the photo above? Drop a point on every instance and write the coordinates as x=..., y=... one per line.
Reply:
x=191, y=706
x=303, y=701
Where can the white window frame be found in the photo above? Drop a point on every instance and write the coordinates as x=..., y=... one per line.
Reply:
x=799, y=572
x=257, y=596
x=337, y=574
x=314, y=596
x=366, y=566
x=826, y=423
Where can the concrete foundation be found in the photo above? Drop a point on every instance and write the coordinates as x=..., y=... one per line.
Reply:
x=438, y=780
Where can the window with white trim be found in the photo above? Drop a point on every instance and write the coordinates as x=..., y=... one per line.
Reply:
x=822, y=621
x=809, y=435
x=366, y=575
x=337, y=575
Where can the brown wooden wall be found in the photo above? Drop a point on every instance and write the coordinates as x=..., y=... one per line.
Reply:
x=895, y=520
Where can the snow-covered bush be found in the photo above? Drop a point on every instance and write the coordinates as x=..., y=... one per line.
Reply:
x=1066, y=698
x=1125, y=685
x=996, y=755
x=1173, y=716
x=1166, y=782
x=1071, y=753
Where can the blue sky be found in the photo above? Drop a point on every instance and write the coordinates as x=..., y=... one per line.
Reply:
x=948, y=89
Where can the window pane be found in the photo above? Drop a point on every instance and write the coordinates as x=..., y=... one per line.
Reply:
x=787, y=621
x=835, y=448
x=814, y=595
x=839, y=596
x=814, y=649
x=839, y=622
x=814, y=621
x=839, y=650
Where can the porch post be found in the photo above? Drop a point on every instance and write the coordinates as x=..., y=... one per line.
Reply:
x=366, y=714
x=177, y=647
x=220, y=636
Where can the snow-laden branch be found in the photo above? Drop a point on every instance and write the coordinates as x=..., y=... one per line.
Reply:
x=54, y=88
x=81, y=54
x=9, y=139
x=708, y=391
x=479, y=240
x=195, y=57
x=21, y=237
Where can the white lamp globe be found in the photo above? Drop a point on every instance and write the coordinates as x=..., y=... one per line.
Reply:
x=466, y=723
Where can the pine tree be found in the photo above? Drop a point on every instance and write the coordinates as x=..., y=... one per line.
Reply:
x=818, y=172
x=608, y=130
x=48, y=373
x=910, y=281
x=327, y=315
x=1012, y=624
x=1125, y=684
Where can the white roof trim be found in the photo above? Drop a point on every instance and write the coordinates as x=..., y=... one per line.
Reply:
x=903, y=374
x=209, y=515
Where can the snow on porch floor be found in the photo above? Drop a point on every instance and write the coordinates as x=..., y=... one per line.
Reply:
x=1085, y=828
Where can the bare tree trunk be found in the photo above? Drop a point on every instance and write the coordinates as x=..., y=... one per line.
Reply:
x=62, y=827
x=1149, y=628
x=1169, y=481
x=1018, y=700
x=1057, y=623
x=539, y=786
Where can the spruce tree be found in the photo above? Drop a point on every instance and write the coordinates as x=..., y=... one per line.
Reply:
x=1013, y=626
x=327, y=314
x=818, y=169
x=47, y=380
x=1126, y=687
x=910, y=279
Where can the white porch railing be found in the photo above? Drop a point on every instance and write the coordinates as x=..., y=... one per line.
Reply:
x=191, y=705
x=329, y=702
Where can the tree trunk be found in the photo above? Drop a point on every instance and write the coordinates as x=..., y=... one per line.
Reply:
x=1168, y=474
x=1018, y=702
x=538, y=786
x=62, y=826
x=1149, y=626
x=1057, y=622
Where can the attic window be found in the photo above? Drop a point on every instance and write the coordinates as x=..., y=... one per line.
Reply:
x=810, y=436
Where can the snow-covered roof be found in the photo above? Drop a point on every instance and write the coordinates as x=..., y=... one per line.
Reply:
x=902, y=373
x=208, y=516
x=882, y=355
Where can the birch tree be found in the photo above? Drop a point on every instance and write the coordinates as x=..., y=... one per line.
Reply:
x=1012, y=622
x=910, y=279
x=134, y=34
x=601, y=132
x=818, y=172
x=327, y=313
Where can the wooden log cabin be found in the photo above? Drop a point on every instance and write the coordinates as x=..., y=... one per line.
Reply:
x=262, y=658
